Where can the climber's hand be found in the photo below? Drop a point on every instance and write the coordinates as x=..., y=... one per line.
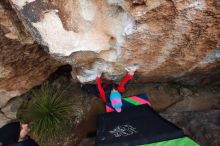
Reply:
x=132, y=68
x=99, y=74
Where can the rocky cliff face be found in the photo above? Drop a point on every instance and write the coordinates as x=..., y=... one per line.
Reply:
x=170, y=39
x=23, y=63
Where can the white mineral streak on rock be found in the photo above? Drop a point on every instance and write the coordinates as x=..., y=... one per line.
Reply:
x=103, y=66
x=212, y=57
x=115, y=2
x=128, y=25
x=194, y=7
x=198, y=4
x=119, y=24
x=63, y=42
x=87, y=75
x=92, y=38
x=181, y=27
x=123, y=28
x=88, y=10
x=20, y=3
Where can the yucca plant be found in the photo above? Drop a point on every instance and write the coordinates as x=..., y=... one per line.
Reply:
x=48, y=114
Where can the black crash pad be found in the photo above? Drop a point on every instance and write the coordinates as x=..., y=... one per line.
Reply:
x=133, y=126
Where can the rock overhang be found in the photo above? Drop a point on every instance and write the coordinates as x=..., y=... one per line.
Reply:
x=168, y=38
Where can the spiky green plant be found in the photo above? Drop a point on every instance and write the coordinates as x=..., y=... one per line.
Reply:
x=48, y=114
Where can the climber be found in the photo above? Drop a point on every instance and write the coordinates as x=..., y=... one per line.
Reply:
x=111, y=92
x=15, y=134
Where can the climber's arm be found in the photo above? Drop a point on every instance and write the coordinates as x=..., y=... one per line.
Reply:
x=126, y=78
x=101, y=90
x=131, y=70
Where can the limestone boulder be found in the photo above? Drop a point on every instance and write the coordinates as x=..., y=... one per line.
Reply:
x=23, y=63
x=169, y=39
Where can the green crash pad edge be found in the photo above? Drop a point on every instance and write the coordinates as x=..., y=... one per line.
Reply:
x=184, y=141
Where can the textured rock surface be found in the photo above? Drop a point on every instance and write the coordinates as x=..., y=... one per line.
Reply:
x=23, y=64
x=177, y=99
x=202, y=126
x=161, y=96
x=11, y=108
x=170, y=39
x=202, y=100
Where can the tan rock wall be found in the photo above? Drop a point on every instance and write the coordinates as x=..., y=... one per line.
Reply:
x=170, y=39
x=23, y=63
